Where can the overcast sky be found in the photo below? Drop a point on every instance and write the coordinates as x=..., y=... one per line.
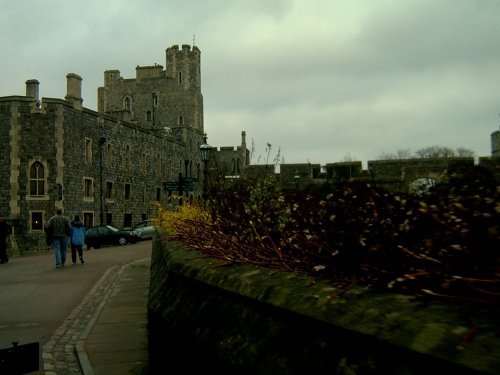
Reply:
x=321, y=80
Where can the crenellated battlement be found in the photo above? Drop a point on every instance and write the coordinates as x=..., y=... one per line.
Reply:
x=185, y=50
x=151, y=71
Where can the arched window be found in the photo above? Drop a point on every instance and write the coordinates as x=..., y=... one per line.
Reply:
x=37, y=179
x=181, y=120
x=127, y=103
x=233, y=166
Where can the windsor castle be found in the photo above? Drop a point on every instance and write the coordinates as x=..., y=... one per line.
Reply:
x=109, y=166
x=113, y=165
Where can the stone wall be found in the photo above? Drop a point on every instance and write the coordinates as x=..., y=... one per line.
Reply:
x=237, y=319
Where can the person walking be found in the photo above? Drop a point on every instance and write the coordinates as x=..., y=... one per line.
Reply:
x=77, y=239
x=60, y=228
x=4, y=232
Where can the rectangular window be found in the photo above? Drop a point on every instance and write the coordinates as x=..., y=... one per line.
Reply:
x=158, y=194
x=36, y=220
x=127, y=220
x=109, y=190
x=88, y=189
x=109, y=218
x=127, y=192
x=88, y=219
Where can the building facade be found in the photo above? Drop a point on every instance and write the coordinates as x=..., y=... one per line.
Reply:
x=109, y=166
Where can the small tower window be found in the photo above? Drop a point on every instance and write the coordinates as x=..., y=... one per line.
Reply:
x=180, y=77
x=148, y=116
x=181, y=120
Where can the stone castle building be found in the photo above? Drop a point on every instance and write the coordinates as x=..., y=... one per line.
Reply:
x=108, y=166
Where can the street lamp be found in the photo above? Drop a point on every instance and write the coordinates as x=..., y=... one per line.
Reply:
x=205, y=149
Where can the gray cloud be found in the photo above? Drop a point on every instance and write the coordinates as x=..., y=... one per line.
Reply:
x=319, y=79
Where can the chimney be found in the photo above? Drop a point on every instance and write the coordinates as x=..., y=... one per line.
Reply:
x=32, y=86
x=74, y=90
x=243, y=139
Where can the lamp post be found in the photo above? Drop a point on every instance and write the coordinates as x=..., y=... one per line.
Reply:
x=102, y=141
x=205, y=149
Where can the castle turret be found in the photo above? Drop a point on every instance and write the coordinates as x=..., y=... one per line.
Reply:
x=74, y=90
x=184, y=66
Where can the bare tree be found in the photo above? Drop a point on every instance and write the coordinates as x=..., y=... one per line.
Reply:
x=399, y=154
x=465, y=152
x=348, y=157
x=435, y=152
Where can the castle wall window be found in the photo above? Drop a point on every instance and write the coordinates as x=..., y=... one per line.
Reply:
x=109, y=190
x=37, y=179
x=155, y=100
x=158, y=194
x=127, y=220
x=148, y=116
x=88, y=219
x=181, y=120
x=88, y=188
x=109, y=218
x=59, y=192
x=127, y=192
x=127, y=103
x=36, y=220
x=88, y=150
x=180, y=77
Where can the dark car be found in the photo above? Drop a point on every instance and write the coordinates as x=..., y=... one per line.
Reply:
x=108, y=235
x=145, y=229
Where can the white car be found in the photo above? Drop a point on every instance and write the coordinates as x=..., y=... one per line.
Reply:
x=145, y=229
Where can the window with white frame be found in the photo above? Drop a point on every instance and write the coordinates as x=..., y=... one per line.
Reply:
x=37, y=179
x=88, y=188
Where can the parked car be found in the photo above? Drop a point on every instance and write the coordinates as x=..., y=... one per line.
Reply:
x=145, y=229
x=108, y=235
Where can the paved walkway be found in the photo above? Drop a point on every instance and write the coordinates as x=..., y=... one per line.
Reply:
x=106, y=333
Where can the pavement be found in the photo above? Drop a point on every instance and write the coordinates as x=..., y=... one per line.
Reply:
x=107, y=333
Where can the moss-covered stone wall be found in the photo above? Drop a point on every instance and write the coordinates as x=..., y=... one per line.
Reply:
x=238, y=319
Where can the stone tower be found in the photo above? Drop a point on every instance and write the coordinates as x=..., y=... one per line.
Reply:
x=165, y=100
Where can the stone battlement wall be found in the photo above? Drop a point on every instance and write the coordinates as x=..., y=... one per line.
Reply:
x=239, y=319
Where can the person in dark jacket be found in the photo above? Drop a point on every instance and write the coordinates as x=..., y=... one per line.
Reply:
x=4, y=232
x=60, y=228
x=77, y=239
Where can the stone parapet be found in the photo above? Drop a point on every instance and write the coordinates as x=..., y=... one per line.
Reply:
x=247, y=320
